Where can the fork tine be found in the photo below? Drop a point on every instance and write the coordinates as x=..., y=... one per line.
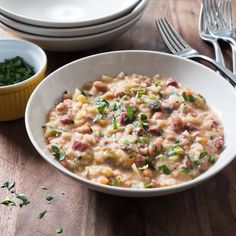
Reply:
x=164, y=36
x=208, y=14
x=218, y=14
x=229, y=13
x=178, y=40
x=168, y=34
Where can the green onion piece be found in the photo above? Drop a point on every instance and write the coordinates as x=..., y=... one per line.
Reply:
x=203, y=154
x=9, y=184
x=97, y=118
x=143, y=139
x=168, y=110
x=7, y=201
x=140, y=92
x=212, y=159
x=130, y=112
x=41, y=214
x=164, y=169
x=155, y=106
x=114, y=123
x=150, y=164
x=211, y=137
x=23, y=198
x=102, y=105
x=185, y=96
x=59, y=230
x=143, y=116
x=158, y=83
x=191, y=98
x=196, y=162
x=48, y=197
x=149, y=185
x=184, y=170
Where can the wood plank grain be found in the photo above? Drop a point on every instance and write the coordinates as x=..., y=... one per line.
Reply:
x=208, y=209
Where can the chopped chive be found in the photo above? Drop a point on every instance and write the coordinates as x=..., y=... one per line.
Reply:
x=150, y=164
x=23, y=198
x=158, y=83
x=143, y=116
x=130, y=112
x=97, y=118
x=59, y=230
x=184, y=170
x=164, y=169
x=9, y=184
x=212, y=159
x=185, y=96
x=191, y=98
x=41, y=214
x=143, y=139
x=7, y=201
x=102, y=104
x=114, y=123
x=149, y=185
x=196, y=162
x=168, y=110
x=48, y=197
x=203, y=154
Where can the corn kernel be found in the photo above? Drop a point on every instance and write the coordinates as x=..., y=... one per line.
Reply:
x=81, y=98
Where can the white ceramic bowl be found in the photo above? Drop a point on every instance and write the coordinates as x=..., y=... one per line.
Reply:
x=78, y=31
x=75, y=43
x=61, y=13
x=219, y=94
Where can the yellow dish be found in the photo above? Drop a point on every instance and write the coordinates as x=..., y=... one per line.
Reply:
x=13, y=98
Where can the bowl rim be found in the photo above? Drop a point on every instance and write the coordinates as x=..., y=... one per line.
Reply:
x=142, y=192
x=41, y=22
x=37, y=49
x=32, y=36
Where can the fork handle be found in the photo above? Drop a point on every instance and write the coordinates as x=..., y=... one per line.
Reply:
x=219, y=67
x=218, y=53
x=233, y=49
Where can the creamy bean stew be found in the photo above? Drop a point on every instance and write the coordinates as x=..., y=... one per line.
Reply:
x=134, y=131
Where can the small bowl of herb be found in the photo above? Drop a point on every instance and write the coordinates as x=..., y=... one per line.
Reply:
x=22, y=67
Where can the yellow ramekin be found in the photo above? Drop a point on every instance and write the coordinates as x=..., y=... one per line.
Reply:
x=13, y=98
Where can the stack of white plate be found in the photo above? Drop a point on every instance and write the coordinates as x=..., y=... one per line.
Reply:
x=70, y=25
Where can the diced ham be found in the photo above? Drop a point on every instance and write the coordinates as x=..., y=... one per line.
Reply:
x=139, y=131
x=155, y=130
x=79, y=146
x=172, y=82
x=191, y=127
x=176, y=123
x=67, y=120
x=218, y=142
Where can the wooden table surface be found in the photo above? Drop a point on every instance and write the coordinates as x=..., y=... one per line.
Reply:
x=208, y=209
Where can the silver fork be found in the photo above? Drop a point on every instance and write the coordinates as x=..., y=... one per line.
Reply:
x=207, y=36
x=216, y=22
x=227, y=13
x=179, y=47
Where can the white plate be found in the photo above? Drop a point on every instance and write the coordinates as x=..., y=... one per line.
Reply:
x=75, y=43
x=72, y=32
x=69, y=13
x=189, y=73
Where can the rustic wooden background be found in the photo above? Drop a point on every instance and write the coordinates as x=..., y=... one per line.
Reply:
x=208, y=209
